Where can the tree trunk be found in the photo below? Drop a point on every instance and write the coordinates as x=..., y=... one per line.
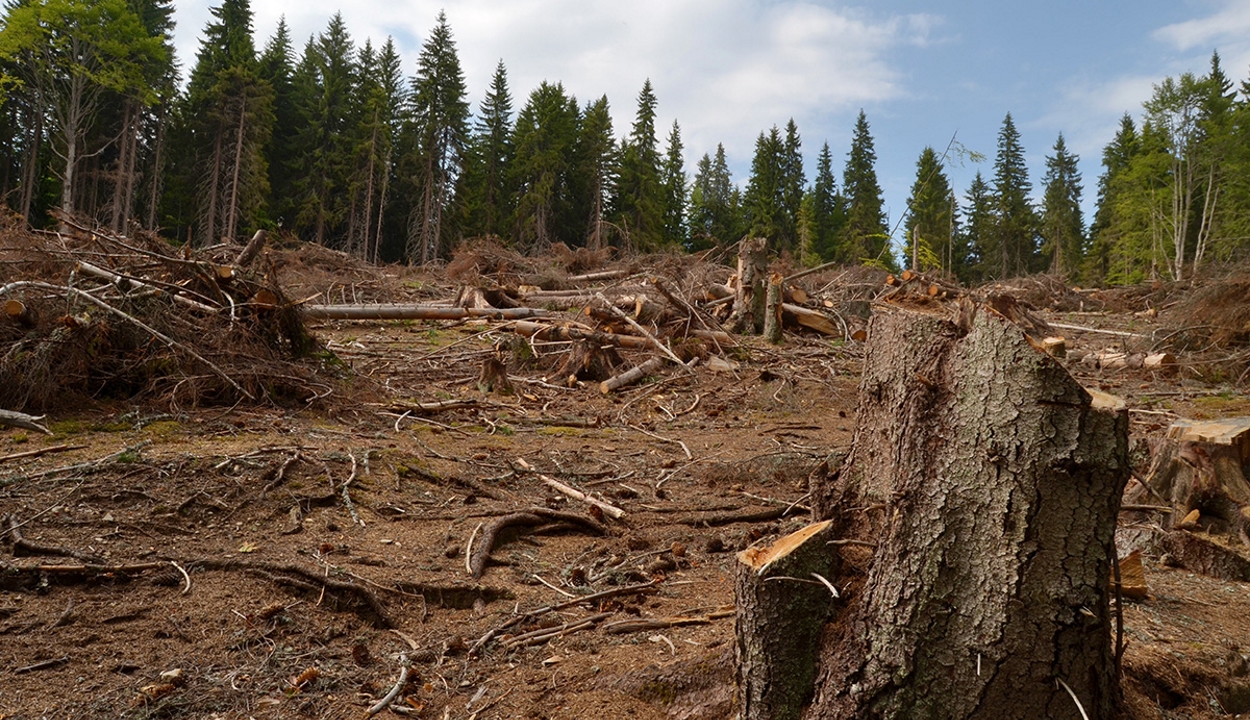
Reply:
x=772, y=310
x=977, y=510
x=748, y=312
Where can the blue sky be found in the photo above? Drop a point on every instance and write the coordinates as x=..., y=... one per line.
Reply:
x=728, y=69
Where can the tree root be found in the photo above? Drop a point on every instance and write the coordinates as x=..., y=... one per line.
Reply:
x=530, y=518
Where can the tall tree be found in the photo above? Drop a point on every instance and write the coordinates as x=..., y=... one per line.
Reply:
x=638, y=207
x=71, y=53
x=828, y=212
x=674, y=186
x=865, y=237
x=277, y=68
x=714, y=203
x=1062, y=227
x=1013, y=246
x=544, y=138
x=1104, y=232
x=762, y=203
x=931, y=242
x=595, y=172
x=792, y=184
x=441, y=116
x=488, y=207
x=979, y=231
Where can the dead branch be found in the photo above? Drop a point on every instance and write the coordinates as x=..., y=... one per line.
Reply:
x=125, y=282
x=533, y=614
x=40, y=452
x=621, y=627
x=404, y=668
x=13, y=418
x=540, y=331
x=714, y=519
x=611, y=510
x=252, y=249
x=542, y=635
x=304, y=579
x=13, y=528
x=641, y=330
x=632, y=375
x=415, y=312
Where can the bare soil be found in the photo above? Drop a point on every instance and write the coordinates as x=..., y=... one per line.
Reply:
x=218, y=563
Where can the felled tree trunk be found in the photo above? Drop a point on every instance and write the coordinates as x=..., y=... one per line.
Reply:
x=976, y=513
x=748, y=312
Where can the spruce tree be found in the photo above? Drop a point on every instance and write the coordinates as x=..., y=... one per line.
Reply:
x=488, y=199
x=715, y=215
x=828, y=213
x=595, y=172
x=1117, y=156
x=638, y=206
x=979, y=230
x=762, y=203
x=1013, y=246
x=441, y=124
x=792, y=184
x=1062, y=227
x=674, y=188
x=931, y=219
x=277, y=68
x=544, y=140
x=865, y=237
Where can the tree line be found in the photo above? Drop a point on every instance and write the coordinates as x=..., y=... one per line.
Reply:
x=335, y=144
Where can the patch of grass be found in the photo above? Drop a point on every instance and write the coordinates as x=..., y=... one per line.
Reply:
x=163, y=428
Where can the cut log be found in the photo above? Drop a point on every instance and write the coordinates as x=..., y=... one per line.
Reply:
x=13, y=418
x=1163, y=362
x=632, y=375
x=1055, y=346
x=20, y=313
x=810, y=319
x=252, y=249
x=772, y=310
x=980, y=497
x=494, y=377
x=782, y=603
x=540, y=331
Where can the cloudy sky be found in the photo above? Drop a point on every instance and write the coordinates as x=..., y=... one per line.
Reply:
x=726, y=70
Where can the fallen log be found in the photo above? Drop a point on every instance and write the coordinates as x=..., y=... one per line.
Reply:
x=632, y=375
x=542, y=331
x=414, y=312
x=12, y=418
x=809, y=319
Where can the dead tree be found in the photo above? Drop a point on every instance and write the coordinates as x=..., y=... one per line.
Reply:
x=748, y=312
x=973, y=525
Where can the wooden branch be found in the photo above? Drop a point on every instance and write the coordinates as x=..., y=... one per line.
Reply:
x=478, y=558
x=641, y=331
x=13, y=418
x=542, y=331
x=124, y=282
x=1099, y=331
x=252, y=249
x=632, y=375
x=404, y=668
x=714, y=519
x=41, y=451
x=611, y=510
x=810, y=319
x=542, y=635
x=621, y=627
x=415, y=312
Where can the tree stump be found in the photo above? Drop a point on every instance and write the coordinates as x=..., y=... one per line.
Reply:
x=781, y=607
x=977, y=509
x=772, y=310
x=748, y=312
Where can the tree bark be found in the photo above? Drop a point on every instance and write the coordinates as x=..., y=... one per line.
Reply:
x=748, y=312
x=980, y=500
x=772, y=310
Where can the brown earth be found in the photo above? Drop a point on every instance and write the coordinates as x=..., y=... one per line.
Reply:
x=217, y=563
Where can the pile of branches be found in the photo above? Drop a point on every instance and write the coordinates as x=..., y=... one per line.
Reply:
x=90, y=314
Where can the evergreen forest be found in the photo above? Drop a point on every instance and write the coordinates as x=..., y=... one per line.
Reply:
x=344, y=143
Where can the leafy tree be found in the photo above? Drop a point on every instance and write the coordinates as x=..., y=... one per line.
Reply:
x=441, y=118
x=673, y=184
x=638, y=207
x=865, y=236
x=714, y=203
x=931, y=219
x=1062, y=227
x=71, y=54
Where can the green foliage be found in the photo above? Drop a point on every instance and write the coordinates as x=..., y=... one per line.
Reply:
x=931, y=217
x=544, y=139
x=1062, y=227
x=638, y=204
x=715, y=213
x=865, y=235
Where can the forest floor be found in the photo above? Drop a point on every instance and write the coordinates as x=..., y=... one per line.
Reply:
x=265, y=561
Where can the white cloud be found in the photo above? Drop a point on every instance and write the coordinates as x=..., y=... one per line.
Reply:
x=726, y=69
x=1229, y=24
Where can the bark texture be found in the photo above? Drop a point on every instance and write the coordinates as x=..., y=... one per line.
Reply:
x=988, y=483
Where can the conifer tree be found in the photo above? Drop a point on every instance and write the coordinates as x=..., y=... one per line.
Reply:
x=762, y=203
x=931, y=241
x=595, y=173
x=792, y=185
x=714, y=203
x=441, y=124
x=638, y=206
x=277, y=69
x=1012, y=248
x=674, y=186
x=544, y=139
x=827, y=213
x=979, y=231
x=488, y=206
x=865, y=237
x=1104, y=232
x=1062, y=227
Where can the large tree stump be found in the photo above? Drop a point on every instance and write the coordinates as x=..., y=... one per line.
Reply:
x=782, y=603
x=977, y=510
x=748, y=312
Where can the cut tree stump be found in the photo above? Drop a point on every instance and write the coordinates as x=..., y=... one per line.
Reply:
x=975, y=514
x=748, y=312
x=781, y=608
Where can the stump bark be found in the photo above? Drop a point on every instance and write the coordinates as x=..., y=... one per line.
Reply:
x=748, y=312
x=977, y=509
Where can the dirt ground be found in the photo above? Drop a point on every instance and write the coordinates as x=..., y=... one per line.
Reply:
x=280, y=562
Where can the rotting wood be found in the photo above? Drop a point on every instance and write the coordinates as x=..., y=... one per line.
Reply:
x=779, y=616
x=12, y=418
x=748, y=302
x=810, y=319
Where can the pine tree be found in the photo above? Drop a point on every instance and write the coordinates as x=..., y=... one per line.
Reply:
x=1013, y=246
x=674, y=186
x=1062, y=227
x=277, y=69
x=595, y=172
x=792, y=184
x=488, y=206
x=828, y=213
x=931, y=219
x=638, y=206
x=544, y=139
x=762, y=203
x=441, y=119
x=715, y=214
x=979, y=233
x=865, y=237
x=1117, y=156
